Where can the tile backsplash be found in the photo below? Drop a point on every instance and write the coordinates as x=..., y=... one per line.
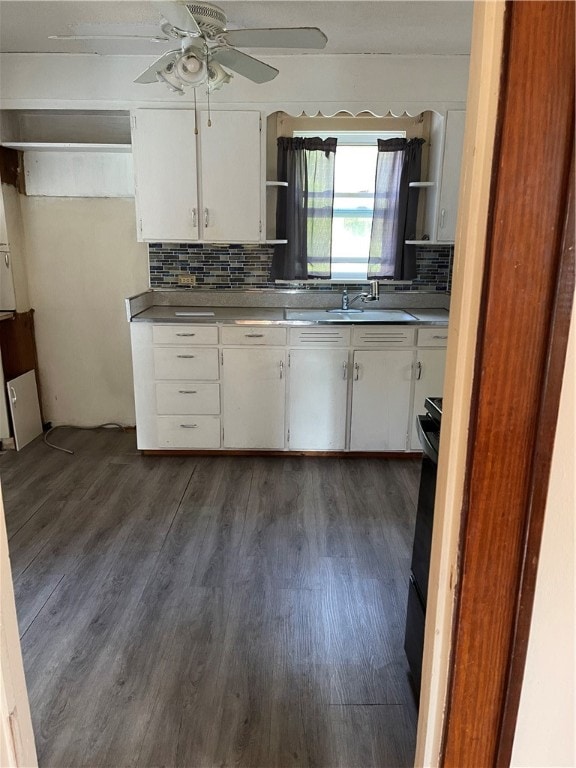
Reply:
x=248, y=266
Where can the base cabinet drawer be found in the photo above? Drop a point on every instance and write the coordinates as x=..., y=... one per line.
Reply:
x=174, y=397
x=432, y=337
x=184, y=334
x=253, y=336
x=185, y=363
x=188, y=431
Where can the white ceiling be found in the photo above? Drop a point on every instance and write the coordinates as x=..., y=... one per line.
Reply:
x=424, y=27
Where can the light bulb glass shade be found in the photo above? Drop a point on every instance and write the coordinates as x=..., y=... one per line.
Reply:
x=217, y=76
x=169, y=77
x=190, y=70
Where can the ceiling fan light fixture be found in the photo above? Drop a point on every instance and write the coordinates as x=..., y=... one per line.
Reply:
x=169, y=77
x=217, y=76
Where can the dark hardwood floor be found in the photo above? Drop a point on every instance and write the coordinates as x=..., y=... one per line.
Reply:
x=200, y=611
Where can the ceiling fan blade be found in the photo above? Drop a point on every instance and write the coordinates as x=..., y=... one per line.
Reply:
x=295, y=37
x=179, y=16
x=245, y=65
x=153, y=39
x=149, y=75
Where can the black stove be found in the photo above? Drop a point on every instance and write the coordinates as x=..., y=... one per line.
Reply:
x=428, y=427
x=433, y=406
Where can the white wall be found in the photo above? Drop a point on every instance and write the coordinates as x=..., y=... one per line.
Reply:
x=83, y=260
x=546, y=726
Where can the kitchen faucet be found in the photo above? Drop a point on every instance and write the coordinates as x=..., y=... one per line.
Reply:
x=373, y=295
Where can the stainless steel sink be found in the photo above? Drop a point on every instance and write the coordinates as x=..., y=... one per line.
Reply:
x=342, y=316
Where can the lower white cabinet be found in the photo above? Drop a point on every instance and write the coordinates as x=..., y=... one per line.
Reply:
x=381, y=400
x=318, y=388
x=273, y=388
x=429, y=382
x=254, y=394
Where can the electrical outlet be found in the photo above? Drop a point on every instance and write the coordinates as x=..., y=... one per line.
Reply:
x=186, y=279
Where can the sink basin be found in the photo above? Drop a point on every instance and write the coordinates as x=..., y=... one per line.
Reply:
x=342, y=316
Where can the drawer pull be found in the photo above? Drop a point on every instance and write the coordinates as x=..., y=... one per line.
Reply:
x=189, y=426
x=439, y=337
x=185, y=334
x=187, y=357
x=187, y=392
x=254, y=335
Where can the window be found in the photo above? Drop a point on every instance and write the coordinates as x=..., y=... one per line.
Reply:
x=354, y=177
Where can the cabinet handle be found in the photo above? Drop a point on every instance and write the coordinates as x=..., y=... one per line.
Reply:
x=442, y=217
x=13, y=396
x=187, y=392
x=418, y=370
x=188, y=426
x=186, y=356
x=194, y=218
x=254, y=335
x=206, y=218
x=344, y=371
x=439, y=337
x=356, y=371
x=7, y=259
x=193, y=334
x=281, y=369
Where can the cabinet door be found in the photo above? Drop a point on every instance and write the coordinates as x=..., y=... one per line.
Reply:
x=450, y=184
x=318, y=386
x=253, y=380
x=429, y=382
x=7, y=293
x=166, y=190
x=381, y=400
x=231, y=176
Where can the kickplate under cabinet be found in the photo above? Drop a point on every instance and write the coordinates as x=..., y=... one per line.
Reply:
x=24, y=408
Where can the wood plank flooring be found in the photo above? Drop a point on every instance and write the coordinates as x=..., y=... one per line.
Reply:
x=211, y=611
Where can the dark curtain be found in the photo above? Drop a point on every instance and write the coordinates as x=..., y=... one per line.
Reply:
x=304, y=208
x=395, y=209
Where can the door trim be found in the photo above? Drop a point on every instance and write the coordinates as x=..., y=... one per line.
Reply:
x=525, y=310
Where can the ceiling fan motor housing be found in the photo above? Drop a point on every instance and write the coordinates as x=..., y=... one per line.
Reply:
x=210, y=18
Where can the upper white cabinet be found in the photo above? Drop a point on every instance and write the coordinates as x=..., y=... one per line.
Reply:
x=450, y=181
x=231, y=180
x=204, y=187
x=165, y=170
x=442, y=188
x=7, y=293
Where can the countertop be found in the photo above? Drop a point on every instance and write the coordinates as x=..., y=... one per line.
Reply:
x=274, y=316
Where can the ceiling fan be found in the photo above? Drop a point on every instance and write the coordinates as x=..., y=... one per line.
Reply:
x=207, y=46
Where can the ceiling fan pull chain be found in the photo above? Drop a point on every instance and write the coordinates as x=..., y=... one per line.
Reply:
x=208, y=95
x=195, y=115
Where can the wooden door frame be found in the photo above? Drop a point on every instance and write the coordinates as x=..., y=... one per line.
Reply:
x=526, y=302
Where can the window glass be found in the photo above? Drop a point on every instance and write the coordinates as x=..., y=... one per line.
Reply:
x=354, y=177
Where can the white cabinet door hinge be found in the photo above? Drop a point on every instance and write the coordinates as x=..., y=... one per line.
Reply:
x=260, y=226
x=288, y=437
x=288, y=359
x=222, y=358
